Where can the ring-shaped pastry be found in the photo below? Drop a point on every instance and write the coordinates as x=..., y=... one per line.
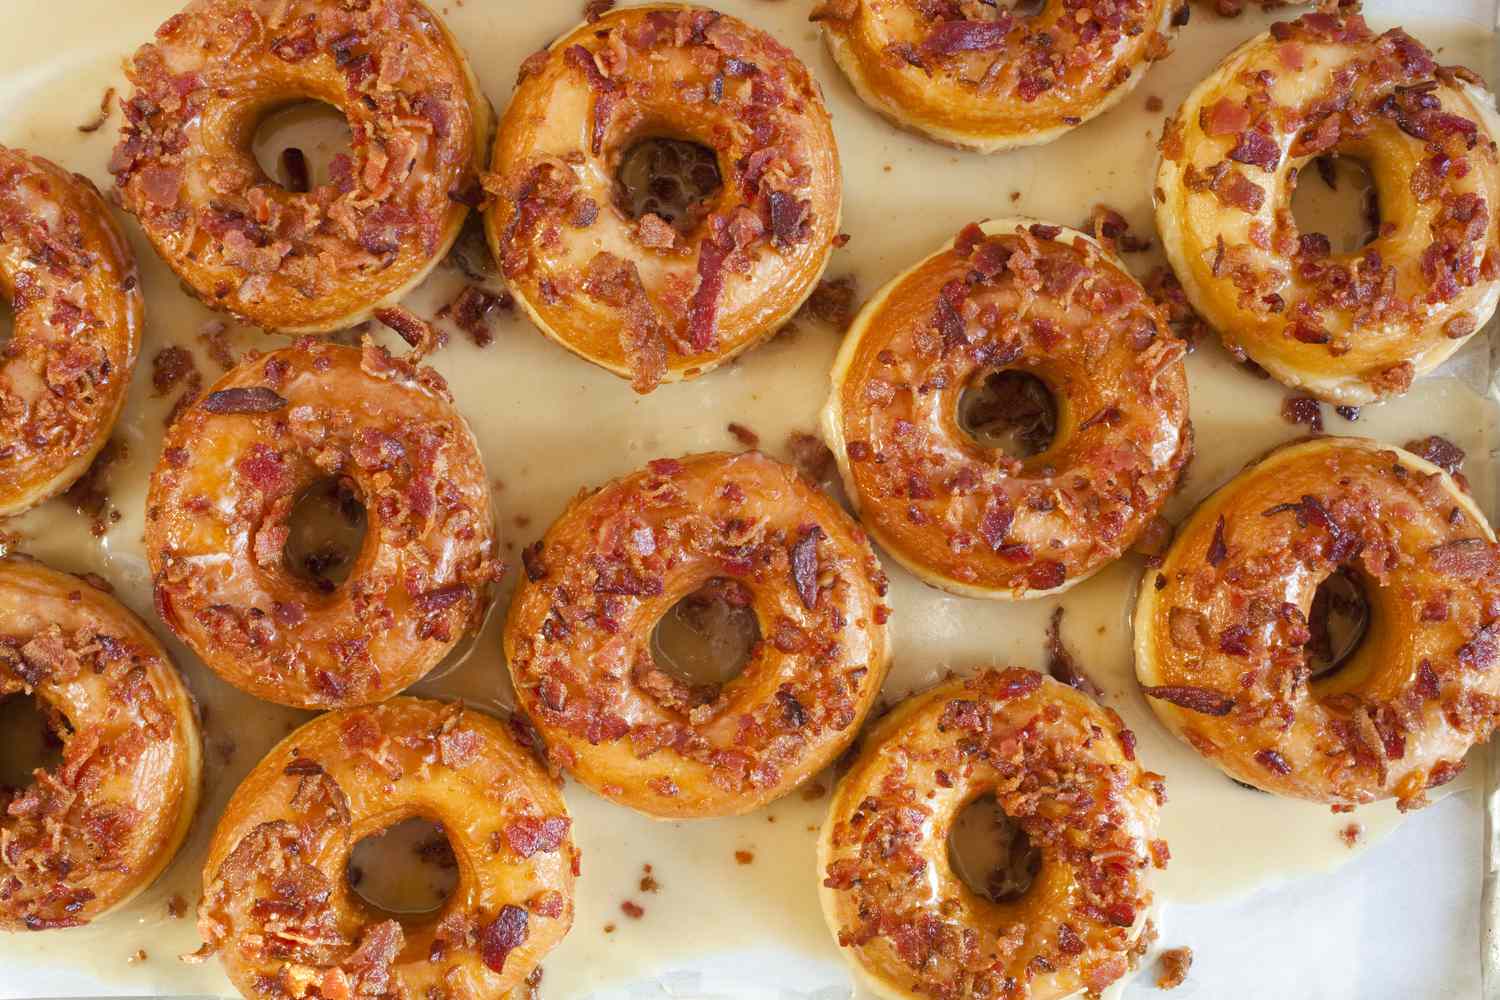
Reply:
x=293, y=261
x=643, y=298
x=1222, y=628
x=578, y=635
x=1064, y=770
x=71, y=283
x=90, y=833
x=1012, y=295
x=990, y=78
x=233, y=468
x=278, y=908
x=1348, y=327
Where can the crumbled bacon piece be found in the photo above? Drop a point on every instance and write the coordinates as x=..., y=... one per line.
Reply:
x=1192, y=698
x=240, y=399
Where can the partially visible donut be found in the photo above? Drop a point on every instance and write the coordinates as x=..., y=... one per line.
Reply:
x=71, y=283
x=301, y=262
x=90, y=833
x=234, y=465
x=578, y=635
x=277, y=905
x=1064, y=770
x=649, y=301
x=1022, y=296
x=985, y=77
x=1222, y=630
x=1347, y=327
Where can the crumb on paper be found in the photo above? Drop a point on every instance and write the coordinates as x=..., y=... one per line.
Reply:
x=176, y=906
x=1174, y=964
x=1350, y=834
x=1154, y=103
x=609, y=928
x=632, y=909
x=744, y=435
x=813, y=791
x=648, y=879
x=744, y=857
x=139, y=956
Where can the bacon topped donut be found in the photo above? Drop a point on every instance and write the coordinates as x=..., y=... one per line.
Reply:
x=301, y=261
x=648, y=300
x=1009, y=296
x=279, y=910
x=232, y=469
x=980, y=75
x=1059, y=766
x=1222, y=628
x=1348, y=327
x=70, y=279
x=90, y=833
x=578, y=636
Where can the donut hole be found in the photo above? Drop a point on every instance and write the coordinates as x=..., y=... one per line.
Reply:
x=701, y=644
x=990, y=853
x=1009, y=411
x=1338, y=620
x=34, y=737
x=674, y=179
x=406, y=870
x=295, y=144
x=325, y=533
x=1335, y=196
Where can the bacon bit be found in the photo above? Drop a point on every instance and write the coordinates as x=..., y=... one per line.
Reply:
x=1303, y=410
x=1111, y=228
x=253, y=399
x=1195, y=699
x=994, y=526
x=1273, y=761
x=630, y=907
x=705, y=305
x=1068, y=940
x=595, y=9
x=170, y=366
x=1060, y=662
x=744, y=857
x=1046, y=574
x=1258, y=150
x=1439, y=451
x=1018, y=683
x=505, y=934
x=1350, y=834
x=1224, y=117
x=1465, y=558
x=106, y=104
x=605, y=91
x=952, y=37
x=804, y=564
x=471, y=309
x=1217, y=549
x=1175, y=963
x=416, y=331
x=744, y=435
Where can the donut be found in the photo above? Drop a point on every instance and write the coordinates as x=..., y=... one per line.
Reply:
x=985, y=77
x=578, y=635
x=87, y=835
x=70, y=280
x=1222, y=630
x=301, y=261
x=278, y=908
x=1349, y=328
x=1064, y=770
x=233, y=467
x=1009, y=296
x=648, y=300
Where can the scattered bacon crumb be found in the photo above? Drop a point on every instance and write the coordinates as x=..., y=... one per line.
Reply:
x=744, y=857
x=632, y=909
x=215, y=337
x=90, y=494
x=169, y=367
x=1350, y=834
x=595, y=9
x=648, y=880
x=106, y=104
x=1154, y=103
x=1175, y=963
x=176, y=906
x=813, y=791
x=1439, y=451
x=832, y=302
x=140, y=953
x=810, y=456
x=1110, y=228
x=1303, y=410
x=744, y=435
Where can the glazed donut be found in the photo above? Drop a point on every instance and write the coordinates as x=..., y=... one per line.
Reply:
x=1011, y=295
x=1221, y=629
x=1347, y=327
x=979, y=77
x=234, y=465
x=640, y=297
x=279, y=911
x=90, y=833
x=578, y=635
x=301, y=262
x=1064, y=770
x=71, y=282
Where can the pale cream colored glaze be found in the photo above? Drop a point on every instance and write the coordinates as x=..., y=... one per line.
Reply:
x=548, y=423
